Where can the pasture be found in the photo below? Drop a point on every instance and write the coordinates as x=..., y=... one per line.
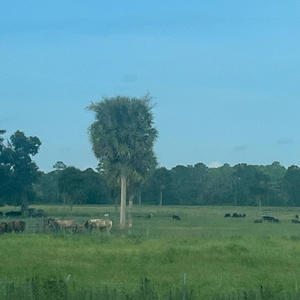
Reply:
x=223, y=258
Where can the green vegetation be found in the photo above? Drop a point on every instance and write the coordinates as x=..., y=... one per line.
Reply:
x=222, y=257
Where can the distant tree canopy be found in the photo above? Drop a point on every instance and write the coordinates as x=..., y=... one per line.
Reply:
x=74, y=187
x=241, y=184
x=17, y=170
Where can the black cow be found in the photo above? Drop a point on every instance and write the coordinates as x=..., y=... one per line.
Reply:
x=149, y=216
x=235, y=215
x=295, y=221
x=176, y=218
x=13, y=214
x=297, y=217
x=1, y=213
x=268, y=218
x=227, y=215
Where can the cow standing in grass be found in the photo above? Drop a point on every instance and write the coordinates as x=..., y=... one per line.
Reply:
x=99, y=224
x=13, y=226
x=3, y=227
x=57, y=224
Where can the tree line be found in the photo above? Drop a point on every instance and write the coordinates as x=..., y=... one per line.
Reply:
x=242, y=184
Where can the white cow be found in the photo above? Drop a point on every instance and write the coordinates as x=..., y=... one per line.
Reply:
x=98, y=224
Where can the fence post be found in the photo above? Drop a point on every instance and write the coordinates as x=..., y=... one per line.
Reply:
x=184, y=286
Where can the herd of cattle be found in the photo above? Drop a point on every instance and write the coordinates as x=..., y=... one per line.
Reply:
x=99, y=224
x=32, y=212
x=270, y=219
x=13, y=226
x=53, y=224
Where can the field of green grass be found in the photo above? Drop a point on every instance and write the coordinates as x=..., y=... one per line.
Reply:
x=222, y=258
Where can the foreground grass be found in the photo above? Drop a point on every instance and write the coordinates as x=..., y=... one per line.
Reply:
x=214, y=267
x=222, y=258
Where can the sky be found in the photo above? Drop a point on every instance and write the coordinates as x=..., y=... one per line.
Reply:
x=224, y=75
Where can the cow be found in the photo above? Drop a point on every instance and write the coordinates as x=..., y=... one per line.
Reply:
x=1, y=214
x=176, y=218
x=149, y=216
x=227, y=215
x=99, y=224
x=57, y=224
x=17, y=226
x=295, y=221
x=268, y=218
x=236, y=215
x=13, y=214
x=297, y=217
x=3, y=227
x=13, y=226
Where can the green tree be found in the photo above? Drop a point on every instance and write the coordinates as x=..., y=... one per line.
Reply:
x=17, y=165
x=70, y=185
x=291, y=185
x=122, y=138
x=156, y=185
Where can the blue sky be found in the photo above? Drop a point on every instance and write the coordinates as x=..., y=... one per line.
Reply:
x=224, y=75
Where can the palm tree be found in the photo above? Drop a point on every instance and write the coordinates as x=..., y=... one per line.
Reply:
x=122, y=138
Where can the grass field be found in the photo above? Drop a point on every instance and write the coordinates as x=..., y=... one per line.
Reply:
x=223, y=258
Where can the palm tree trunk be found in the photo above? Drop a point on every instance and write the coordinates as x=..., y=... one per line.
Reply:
x=139, y=196
x=160, y=198
x=123, y=203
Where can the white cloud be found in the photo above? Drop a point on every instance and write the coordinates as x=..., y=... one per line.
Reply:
x=215, y=164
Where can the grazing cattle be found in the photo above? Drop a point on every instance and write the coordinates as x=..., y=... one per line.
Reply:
x=295, y=221
x=258, y=221
x=18, y=226
x=149, y=216
x=57, y=224
x=268, y=218
x=176, y=218
x=236, y=215
x=271, y=219
x=297, y=217
x=13, y=226
x=98, y=224
x=13, y=214
x=36, y=213
x=40, y=213
x=1, y=213
x=227, y=215
x=3, y=227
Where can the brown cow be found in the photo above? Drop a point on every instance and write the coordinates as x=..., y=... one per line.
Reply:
x=3, y=227
x=98, y=224
x=13, y=226
x=18, y=226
